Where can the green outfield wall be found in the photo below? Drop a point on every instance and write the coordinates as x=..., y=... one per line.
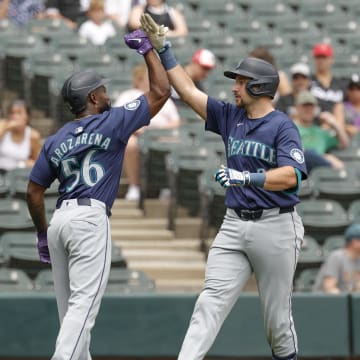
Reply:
x=153, y=325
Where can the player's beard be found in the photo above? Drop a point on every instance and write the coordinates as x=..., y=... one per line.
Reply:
x=106, y=106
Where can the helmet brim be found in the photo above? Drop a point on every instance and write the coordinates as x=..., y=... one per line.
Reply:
x=232, y=74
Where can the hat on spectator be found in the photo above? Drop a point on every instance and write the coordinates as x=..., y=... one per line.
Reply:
x=352, y=232
x=204, y=58
x=322, y=49
x=300, y=68
x=354, y=81
x=306, y=97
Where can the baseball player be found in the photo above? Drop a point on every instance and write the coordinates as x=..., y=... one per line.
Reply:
x=86, y=156
x=261, y=231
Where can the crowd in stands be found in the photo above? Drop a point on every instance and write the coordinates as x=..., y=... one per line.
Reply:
x=326, y=108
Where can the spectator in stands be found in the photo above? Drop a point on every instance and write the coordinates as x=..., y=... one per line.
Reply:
x=341, y=270
x=21, y=12
x=19, y=143
x=162, y=14
x=352, y=106
x=301, y=80
x=316, y=140
x=202, y=63
x=68, y=10
x=117, y=11
x=97, y=29
x=328, y=89
x=263, y=53
x=167, y=117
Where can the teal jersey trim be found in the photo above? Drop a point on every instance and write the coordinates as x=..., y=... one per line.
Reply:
x=295, y=189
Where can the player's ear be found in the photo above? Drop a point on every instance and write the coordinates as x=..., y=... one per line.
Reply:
x=93, y=98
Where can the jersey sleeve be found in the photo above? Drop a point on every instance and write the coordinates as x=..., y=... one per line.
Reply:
x=216, y=116
x=132, y=116
x=42, y=173
x=289, y=148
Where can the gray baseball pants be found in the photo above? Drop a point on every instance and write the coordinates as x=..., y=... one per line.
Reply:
x=269, y=247
x=80, y=250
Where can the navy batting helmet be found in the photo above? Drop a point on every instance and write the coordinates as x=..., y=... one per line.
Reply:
x=260, y=72
x=78, y=86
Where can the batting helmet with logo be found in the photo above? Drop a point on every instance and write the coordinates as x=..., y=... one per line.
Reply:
x=78, y=86
x=264, y=77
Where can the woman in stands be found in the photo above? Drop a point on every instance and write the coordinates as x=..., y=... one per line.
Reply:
x=162, y=14
x=19, y=143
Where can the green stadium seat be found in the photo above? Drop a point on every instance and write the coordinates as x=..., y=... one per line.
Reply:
x=212, y=206
x=311, y=254
x=17, y=49
x=120, y=281
x=340, y=185
x=354, y=211
x=12, y=280
x=332, y=243
x=39, y=69
x=184, y=167
x=47, y=28
x=322, y=218
x=20, y=251
x=351, y=153
x=306, y=190
x=306, y=280
x=14, y=215
x=154, y=146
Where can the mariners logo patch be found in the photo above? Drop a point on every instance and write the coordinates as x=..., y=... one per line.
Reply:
x=297, y=155
x=133, y=105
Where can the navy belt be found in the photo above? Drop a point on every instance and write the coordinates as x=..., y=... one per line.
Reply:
x=248, y=214
x=85, y=202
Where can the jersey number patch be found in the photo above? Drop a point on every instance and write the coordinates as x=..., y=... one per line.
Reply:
x=88, y=172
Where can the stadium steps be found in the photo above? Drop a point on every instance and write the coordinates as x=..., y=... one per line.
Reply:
x=171, y=258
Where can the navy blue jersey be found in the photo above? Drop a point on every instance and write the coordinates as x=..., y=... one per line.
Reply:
x=86, y=155
x=256, y=145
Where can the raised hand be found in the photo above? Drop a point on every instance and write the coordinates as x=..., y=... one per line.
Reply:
x=139, y=41
x=155, y=32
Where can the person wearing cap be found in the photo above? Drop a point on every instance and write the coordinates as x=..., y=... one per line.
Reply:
x=341, y=270
x=167, y=118
x=261, y=232
x=203, y=61
x=328, y=89
x=352, y=106
x=301, y=80
x=318, y=141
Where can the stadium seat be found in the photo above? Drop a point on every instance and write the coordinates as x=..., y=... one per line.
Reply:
x=12, y=280
x=351, y=153
x=306, y=280
x=322, y=218
x=340, y=185
x=306, y=190
x=4, y=185
x=20, y=251
x=184, y=166
x=17, y=49
x=154, y=146
x=354, y=211
x=47, y=28
x=18, y=180
x=120, y=281
x=39, y=69
x=311, y=255
x=332, y=243
x=212, y=206
x=14, y=215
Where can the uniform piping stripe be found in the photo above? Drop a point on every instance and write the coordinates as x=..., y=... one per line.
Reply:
x=291, y=322
x=97, y=291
